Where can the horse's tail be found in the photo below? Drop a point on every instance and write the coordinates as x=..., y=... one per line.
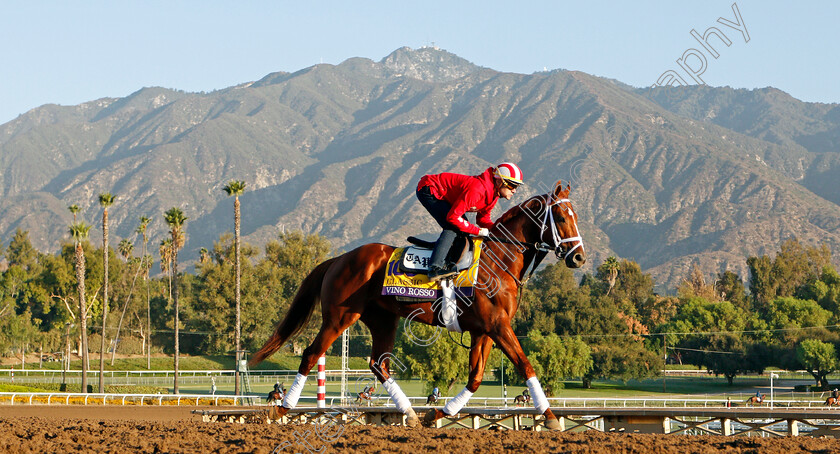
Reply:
x=303, y=305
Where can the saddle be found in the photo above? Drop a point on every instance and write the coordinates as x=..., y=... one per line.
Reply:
x=416, y=258
x=406, y=275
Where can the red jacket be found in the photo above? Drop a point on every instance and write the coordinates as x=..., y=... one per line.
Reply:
x=466, y=194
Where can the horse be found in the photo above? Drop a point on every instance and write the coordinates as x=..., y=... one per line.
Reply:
x=274, y=397
x=431, y=399
x=364, y=395
x=349, y=288
x=522, y=399
x=754, y=400
x=832, y=402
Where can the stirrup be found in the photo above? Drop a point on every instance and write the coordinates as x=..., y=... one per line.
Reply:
x=439, y=274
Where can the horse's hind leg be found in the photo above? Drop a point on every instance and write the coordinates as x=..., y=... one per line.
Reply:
x=480, y=349
x=383, y=330
x=331, y=327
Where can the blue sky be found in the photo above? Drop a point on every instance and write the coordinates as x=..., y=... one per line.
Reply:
x=69, y=52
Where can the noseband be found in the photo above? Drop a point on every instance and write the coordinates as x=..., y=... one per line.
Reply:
x=548, y=219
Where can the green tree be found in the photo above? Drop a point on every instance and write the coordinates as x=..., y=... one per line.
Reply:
x=731, y=288
x=819, y=358
x=609, y=269
x=79, y=232
x=235, y=188
x=125, y=248
x=105, y=200
x=442, y=363
x=295, y=254
x=555, y=359
x=175, y=219
x=622, y=360
x=21, y=252
x=73, y=209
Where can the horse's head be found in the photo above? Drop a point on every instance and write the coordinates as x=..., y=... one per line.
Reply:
x=560, y=229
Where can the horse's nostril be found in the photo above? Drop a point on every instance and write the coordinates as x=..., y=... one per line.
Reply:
x=579, y=259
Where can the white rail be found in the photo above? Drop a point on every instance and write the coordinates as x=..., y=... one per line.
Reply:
x=493, y=402
x=122, y=399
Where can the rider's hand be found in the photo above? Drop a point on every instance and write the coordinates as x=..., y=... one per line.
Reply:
x=483, y=232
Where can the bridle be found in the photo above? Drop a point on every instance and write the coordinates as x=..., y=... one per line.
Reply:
x=542, y=248
x=548, y=219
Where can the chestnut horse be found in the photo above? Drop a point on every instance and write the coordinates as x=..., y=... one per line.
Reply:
x=349, y=288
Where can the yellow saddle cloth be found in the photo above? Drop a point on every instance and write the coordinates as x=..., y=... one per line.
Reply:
x=406, y=276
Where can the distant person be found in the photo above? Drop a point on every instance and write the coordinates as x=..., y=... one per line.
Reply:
x=835, y=394
x=213, y=386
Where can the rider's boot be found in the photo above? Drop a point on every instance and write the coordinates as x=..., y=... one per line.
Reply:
x=438, y=268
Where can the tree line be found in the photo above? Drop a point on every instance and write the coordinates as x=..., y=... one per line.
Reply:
x=608, y=324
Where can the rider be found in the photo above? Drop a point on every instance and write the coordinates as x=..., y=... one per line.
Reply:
x=436, y=392
x=449, y=196
x=758, y=396
x=835, y=393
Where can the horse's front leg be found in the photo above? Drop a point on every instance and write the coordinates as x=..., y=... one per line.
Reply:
x=479, y=352
x=507, y=341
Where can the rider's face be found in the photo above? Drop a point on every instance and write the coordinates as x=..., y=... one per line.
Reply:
x=505, y=191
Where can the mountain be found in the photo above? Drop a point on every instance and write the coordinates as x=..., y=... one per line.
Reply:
x=338, y=150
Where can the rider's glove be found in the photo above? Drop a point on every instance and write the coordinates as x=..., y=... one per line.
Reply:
x=483, y=232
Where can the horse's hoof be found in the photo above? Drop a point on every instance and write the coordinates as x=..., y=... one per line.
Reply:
x=432, y=416
x=275, y=412
x=412, y=421
x=552, y=424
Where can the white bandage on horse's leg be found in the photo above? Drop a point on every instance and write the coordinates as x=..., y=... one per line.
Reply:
x=291, y=399
x=457, y=403
x=398, y=396
x=534, y=387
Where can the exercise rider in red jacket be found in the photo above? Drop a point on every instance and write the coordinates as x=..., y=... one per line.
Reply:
x=448, y=196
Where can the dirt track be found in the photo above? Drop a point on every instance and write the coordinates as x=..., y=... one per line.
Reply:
x=150, y=429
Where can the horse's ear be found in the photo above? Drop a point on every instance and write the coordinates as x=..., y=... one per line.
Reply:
x=559, y=192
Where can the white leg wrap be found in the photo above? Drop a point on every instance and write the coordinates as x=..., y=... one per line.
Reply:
x=398, y=396
x=291, y=399
x=457, y=403
x=537, y=394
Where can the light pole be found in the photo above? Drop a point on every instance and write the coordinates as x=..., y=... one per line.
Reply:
x=66, y=355
x=772, y=376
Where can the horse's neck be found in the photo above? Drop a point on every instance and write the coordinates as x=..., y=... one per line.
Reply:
x=520, y=228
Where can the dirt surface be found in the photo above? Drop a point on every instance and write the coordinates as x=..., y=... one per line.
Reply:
x=168, y=429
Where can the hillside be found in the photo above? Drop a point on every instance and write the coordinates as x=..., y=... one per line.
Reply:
x=338, y=149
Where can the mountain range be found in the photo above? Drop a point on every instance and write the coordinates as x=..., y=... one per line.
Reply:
x=669, y=177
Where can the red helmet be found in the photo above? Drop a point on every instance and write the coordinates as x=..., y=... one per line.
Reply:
x=510, y=173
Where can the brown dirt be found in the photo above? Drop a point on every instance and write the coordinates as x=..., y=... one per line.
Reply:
x=165, y=429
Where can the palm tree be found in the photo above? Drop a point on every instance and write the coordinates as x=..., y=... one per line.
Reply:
x=235, y=188
x=125, y=248
x=175, y=219
x=144, y=222
x=106, y=200
x=79, y=232
x=611, y=267
x=74, y=209
x=203, y=255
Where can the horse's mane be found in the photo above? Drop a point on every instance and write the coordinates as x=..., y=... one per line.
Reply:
x=516, y=210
